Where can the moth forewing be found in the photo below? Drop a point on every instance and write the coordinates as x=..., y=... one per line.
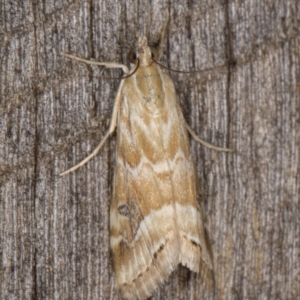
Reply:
x=155, y=220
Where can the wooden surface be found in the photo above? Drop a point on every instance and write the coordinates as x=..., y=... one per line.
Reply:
x=54, y=111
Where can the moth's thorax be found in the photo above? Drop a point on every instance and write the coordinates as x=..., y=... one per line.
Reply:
x=150, y=88
x=145, y=87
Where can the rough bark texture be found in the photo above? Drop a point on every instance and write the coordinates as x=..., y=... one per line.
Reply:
x=54, y=111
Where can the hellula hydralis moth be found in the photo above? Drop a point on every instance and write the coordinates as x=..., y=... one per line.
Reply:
x=156, y=221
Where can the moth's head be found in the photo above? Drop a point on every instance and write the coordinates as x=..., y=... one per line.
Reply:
x=143, y=52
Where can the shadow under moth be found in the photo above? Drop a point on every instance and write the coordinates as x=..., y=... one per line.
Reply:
x=156, y=221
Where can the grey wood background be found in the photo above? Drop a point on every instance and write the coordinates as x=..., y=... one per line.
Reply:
x=54, y=111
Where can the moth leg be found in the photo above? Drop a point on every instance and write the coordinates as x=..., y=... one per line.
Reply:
x=208, y=145
x=112, y=127
x=113, y=121
x=87, y=158
x=108, y=65
x=160, y=46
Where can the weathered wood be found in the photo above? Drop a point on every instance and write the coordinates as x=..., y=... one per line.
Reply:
x=53, y=112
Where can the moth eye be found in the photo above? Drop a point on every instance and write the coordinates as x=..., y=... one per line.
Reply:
x=153, y=50
x=131, y=56
x=154, y=54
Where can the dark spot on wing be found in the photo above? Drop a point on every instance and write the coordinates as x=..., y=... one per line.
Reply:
x=123, y=210
x=195, y=244
x=161, y=248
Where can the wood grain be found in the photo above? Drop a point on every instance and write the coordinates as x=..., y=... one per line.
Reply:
x=53, y=113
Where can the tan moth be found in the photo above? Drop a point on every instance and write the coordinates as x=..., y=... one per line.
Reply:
x=156, y=221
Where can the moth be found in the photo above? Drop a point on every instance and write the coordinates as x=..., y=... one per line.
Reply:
x=156, y=221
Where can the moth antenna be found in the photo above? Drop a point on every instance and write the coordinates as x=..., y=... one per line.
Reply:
x=147, y=33
x=186, y=72
x=160, y=47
